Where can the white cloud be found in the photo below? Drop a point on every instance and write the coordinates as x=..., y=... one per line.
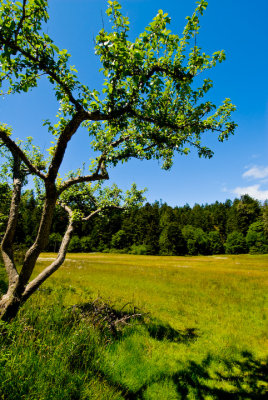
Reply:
x=256, y=172
x=253, y=191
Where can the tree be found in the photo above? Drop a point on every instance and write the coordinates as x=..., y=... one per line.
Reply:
x=55, y=240
x=75, y=245
x=265, y=218
x=201, y=218
x=235, y=243
x=242, y=214
x=215, y=243
x=151, y=107
x=196, y=239
x=219, y=213
x=256, y=240
x=149, y=217
x=118, y=240
x=248, y=211
x=171, y=241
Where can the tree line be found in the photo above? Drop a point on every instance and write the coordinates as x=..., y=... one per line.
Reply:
x=232, y=227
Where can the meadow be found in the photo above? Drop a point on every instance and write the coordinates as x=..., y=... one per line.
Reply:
x=112, y=326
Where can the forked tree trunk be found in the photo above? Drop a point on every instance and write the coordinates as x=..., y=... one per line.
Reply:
x=20, y=291
x=20, y=287
x=18, y=281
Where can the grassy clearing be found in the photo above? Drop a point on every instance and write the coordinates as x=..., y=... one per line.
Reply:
x=204, y=336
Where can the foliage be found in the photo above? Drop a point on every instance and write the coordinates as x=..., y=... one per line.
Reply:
x=150, y=108
x=86, y=244
x=244, y=212
x=235, y=243
x=256, y=240
x=125, y=229
x=75, y=245
x=118, y=240
x=196, y=239
x=265, y=218
x=54, y=241
x=215, y=243
x=140, y=249
x=171, y=240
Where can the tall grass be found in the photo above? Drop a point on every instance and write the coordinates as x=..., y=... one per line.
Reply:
x=203, y=334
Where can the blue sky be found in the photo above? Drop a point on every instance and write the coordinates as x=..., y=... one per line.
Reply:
x=240, y=165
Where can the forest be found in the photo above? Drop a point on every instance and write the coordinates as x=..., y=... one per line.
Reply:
x=233, y=227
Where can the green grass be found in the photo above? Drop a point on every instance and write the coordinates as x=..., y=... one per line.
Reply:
x=204, y=334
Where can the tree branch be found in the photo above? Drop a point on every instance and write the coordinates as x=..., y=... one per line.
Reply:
x=42, y=65
x=100, y=210
x=120, y=140
x=66, y=135
x=99, y=116
x=96, y=176
x=15, y=149
x=21, y=20
x=35, y=283
x=174, y=73
x=41, y=237
x=161, y=123
x=79, y=179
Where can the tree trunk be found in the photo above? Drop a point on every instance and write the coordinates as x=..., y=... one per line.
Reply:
x=18, y=292
x=9, y=306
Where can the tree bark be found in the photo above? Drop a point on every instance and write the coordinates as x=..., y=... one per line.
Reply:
x=9, y=307
x=35, y=283
x=13, y=299
x=10, y=298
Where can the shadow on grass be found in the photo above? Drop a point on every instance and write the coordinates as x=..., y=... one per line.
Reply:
x=108, y=319
x=161, y=332
x=244, y=379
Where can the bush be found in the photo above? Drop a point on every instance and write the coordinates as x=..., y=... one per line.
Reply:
x=236, y=244
x=86, y=244
x=215, y=243
x=196, y=239
x=118, y=251
x=139, y=249
x=171, y=241
x=54, y=242
x=75, y=245
x=118, y=240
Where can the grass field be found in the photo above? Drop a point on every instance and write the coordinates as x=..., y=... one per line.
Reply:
x=203, y=334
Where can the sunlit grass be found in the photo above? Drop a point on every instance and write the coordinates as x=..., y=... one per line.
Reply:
x=225, y=298
x=205, y=331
